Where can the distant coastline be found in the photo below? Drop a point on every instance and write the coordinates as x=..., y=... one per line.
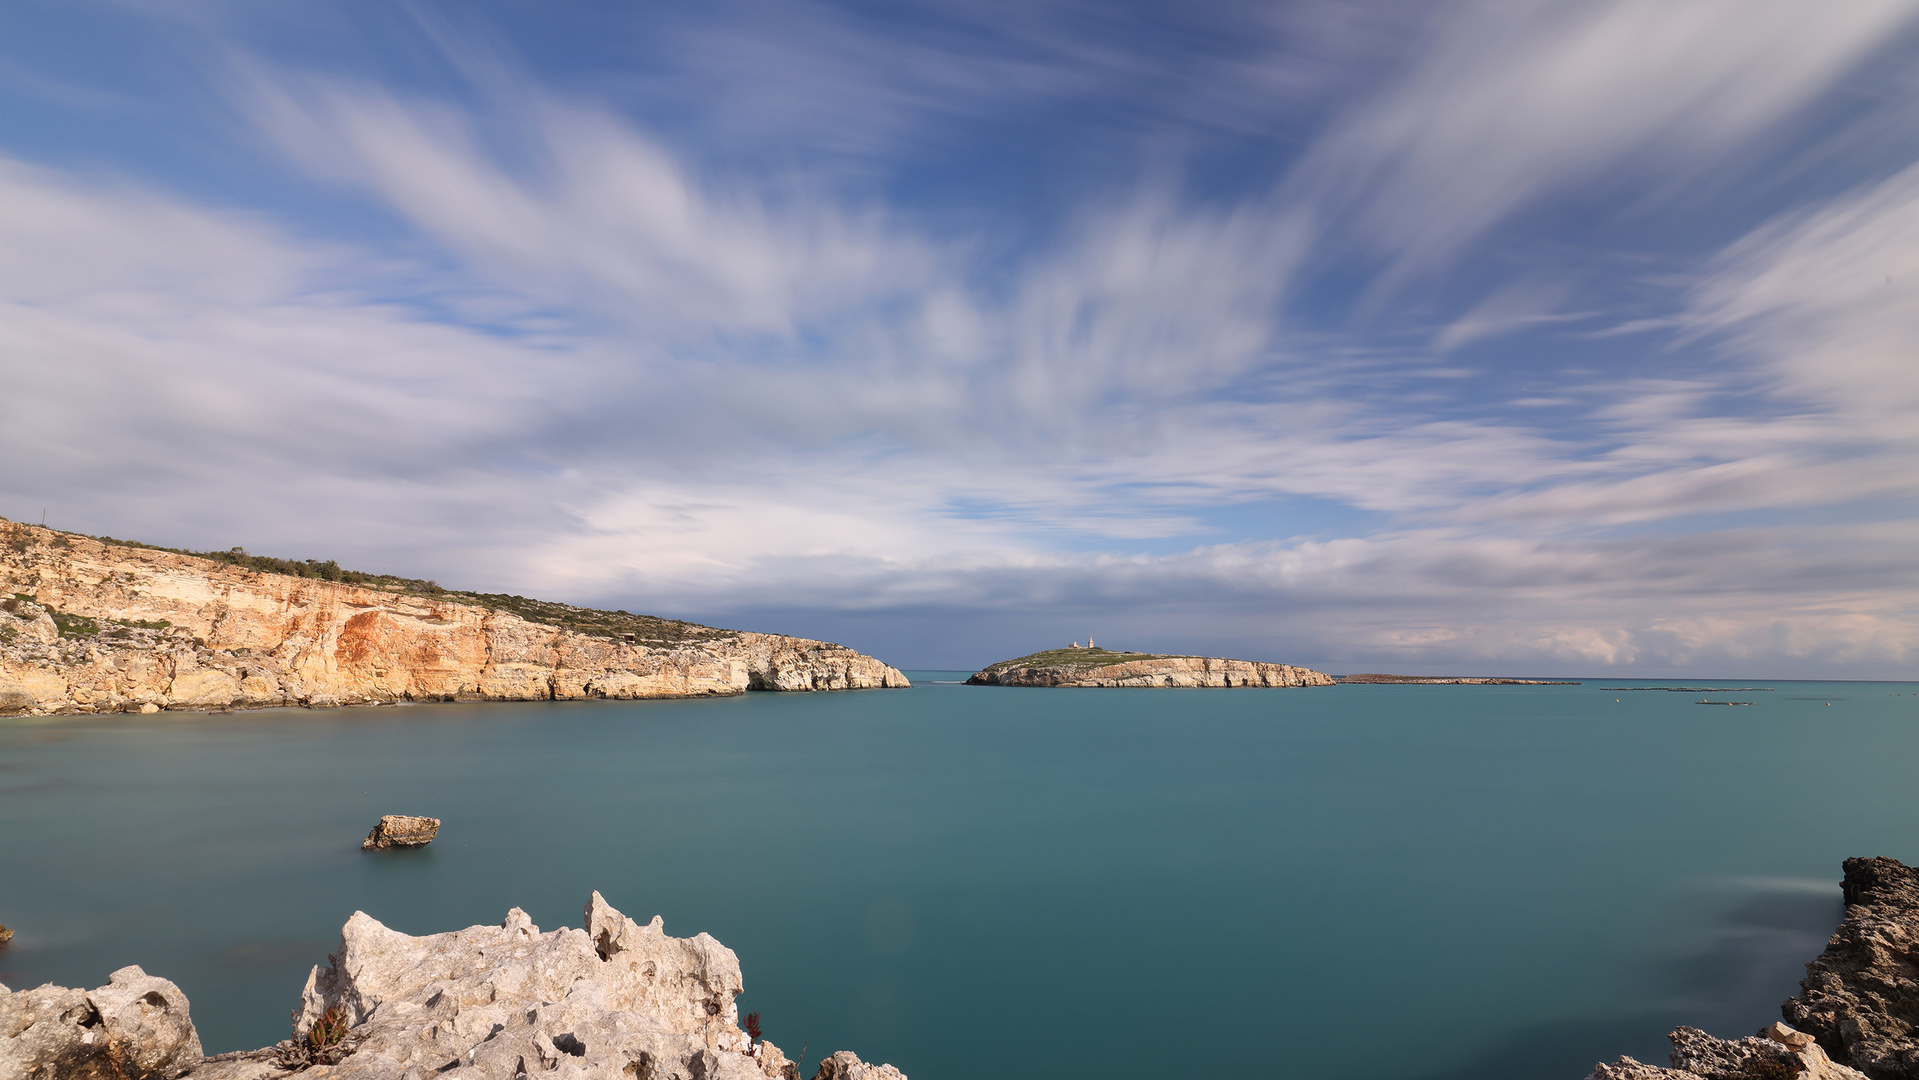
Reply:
x=1448, y=680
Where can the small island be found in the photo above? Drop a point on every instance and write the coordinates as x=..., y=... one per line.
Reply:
x=1093, y=666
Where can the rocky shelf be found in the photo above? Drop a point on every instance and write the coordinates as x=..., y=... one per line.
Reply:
x=90, y=625
x=1448, y=680
x=1104, y=668
x=1857, y=1012
x=615, y=1000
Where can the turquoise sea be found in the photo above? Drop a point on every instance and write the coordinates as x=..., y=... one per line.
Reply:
x=1402, y=882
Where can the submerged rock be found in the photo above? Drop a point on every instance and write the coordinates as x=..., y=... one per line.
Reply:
x=616, y=1000
x=136, y=1026
x=401, y=830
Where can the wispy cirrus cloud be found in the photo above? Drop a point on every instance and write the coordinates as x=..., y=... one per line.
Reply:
x=575, y=355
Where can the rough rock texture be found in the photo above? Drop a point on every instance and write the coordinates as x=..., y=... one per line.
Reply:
x=1160, y=671
x=614, y=1001
x=1860, y=998
x=845, y=1066
x=136, y=1026
x=400, y=830
x=1777, y=1053
x=92, y=627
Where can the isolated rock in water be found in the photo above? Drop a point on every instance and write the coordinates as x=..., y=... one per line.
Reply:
x=400, y=830
x=135, y=1026
x=1860, y=998
x=6, y=935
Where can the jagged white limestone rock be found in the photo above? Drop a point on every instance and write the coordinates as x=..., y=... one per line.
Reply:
x=135, y=1026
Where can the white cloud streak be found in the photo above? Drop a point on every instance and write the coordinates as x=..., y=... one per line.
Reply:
x=691, y=393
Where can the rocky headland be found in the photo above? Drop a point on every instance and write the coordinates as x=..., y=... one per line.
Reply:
x=615, y=1000
x=1857, y=1012
x=1102, y=667
x=94, y=626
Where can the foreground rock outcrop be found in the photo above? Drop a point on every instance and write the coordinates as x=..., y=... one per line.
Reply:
x=135, y=1026
x=1777, y=1053
x=1857, y=1012
x=1860, y=998
x=616, y=1000
x=1100, y=667
x=88, y=626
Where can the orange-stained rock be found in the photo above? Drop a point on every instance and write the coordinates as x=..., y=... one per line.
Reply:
x=240, y=638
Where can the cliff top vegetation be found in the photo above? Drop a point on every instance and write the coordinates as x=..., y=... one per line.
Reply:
x=622, y=625
x=1080, y=658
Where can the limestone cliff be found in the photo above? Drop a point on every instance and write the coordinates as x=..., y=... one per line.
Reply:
x=1101, y=667
x=87, y=626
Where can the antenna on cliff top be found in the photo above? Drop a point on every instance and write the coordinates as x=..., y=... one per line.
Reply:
x=43, y=517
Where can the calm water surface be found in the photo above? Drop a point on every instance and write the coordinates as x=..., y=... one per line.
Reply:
x=1369, y=881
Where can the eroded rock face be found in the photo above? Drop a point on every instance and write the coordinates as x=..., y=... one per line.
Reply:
x=618, y=1000
x=176, y=631
x=845, y=1065
x=614, y=1001
x=1165, y=671
x=1777, y=1053
x=1860, y=998
x=401, y=830
x=134, y=1028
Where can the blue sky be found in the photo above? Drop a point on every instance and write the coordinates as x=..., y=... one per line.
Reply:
x=1508, y=337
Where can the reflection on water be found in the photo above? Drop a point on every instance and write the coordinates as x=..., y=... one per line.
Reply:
x=1393, y=882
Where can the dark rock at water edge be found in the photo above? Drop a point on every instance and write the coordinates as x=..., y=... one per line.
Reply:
x=1860, y=998
x=401, y=830
x=1857, y=1013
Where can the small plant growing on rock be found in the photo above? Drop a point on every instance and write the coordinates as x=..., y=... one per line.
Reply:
x=753, y=1027
x=325, y=1043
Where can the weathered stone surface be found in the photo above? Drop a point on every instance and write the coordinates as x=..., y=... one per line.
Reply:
x=136, y=1026
x=617, y=1000
x=401, y=830
x=204, y=688
x=614, y=1001
x=1159, y=671
x=177, y=631
x=1860, y=998
x=844, y=1065
x=1778, y=1053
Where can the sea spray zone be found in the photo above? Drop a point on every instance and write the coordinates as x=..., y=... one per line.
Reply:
x=90, y=625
